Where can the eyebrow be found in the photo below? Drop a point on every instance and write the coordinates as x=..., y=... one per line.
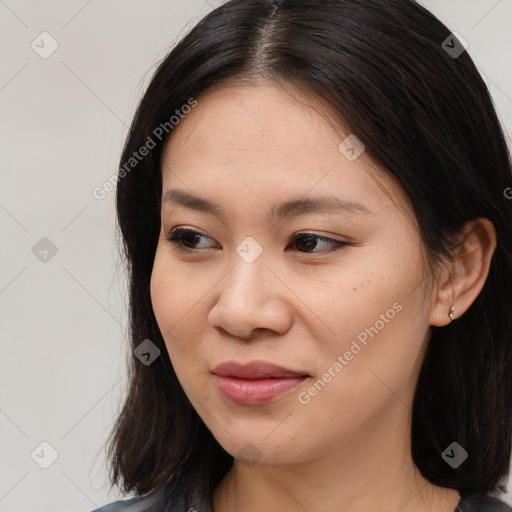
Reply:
x=296, y=207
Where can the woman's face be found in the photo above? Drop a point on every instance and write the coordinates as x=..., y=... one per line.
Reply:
x=353, y=317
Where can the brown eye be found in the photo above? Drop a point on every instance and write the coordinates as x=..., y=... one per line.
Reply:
x=310, y=241
x=186, y=238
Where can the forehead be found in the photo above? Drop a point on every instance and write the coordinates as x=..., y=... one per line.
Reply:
x=266, y=144
x=263, y=120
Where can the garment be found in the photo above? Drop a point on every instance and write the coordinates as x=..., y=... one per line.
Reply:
x=150, y=503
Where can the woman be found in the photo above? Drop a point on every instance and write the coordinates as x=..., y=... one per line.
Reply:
x=312, y=200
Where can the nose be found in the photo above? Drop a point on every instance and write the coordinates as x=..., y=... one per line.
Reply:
x=251, y=297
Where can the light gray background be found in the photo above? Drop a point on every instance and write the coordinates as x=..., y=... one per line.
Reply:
x=63, y=121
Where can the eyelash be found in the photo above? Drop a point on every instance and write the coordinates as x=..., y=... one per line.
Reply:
x=176, y=236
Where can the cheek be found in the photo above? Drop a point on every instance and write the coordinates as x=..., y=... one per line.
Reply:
x=164, y=305
x=375, y=300
x=172, y=292
x=178, y=299
x=379, y=330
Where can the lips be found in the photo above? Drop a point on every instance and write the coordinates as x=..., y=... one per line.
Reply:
x=255, y=370
x=255, y=383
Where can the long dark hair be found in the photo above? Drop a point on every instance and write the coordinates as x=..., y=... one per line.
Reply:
x=426, y=116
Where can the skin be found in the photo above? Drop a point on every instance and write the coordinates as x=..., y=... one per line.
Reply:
x=300, y=306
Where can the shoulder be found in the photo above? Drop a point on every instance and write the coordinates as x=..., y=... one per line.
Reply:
x=173, y=500
x=138, y=504
x=148, y=503
x=482, y=503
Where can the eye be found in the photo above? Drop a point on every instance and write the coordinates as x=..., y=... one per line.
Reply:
x=185, y=239
x=312, y=241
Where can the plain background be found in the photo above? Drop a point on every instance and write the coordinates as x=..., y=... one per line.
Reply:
x=62, y=125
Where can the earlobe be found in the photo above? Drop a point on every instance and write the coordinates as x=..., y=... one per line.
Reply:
x=444, y=299
x=469, y=268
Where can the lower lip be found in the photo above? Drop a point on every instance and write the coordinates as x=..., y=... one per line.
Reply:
x=255, y=391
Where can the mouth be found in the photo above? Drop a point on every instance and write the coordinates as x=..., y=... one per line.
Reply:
x=255, y=383
x=255, y=370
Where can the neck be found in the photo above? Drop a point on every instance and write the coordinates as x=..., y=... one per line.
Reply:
x=374, y=472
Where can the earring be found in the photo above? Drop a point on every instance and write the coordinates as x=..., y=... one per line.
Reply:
x=452, y=313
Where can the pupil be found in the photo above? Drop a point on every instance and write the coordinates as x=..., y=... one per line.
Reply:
x=312, y=242
x=190, y=238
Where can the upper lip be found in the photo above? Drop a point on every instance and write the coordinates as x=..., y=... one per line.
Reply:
x=254, y=370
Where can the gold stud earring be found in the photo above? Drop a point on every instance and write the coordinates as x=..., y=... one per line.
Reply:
x=452, y=313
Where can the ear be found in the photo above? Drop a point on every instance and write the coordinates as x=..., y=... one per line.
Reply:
x=465, y=275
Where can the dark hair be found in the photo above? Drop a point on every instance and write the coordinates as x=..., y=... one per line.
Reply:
x=427, y=118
